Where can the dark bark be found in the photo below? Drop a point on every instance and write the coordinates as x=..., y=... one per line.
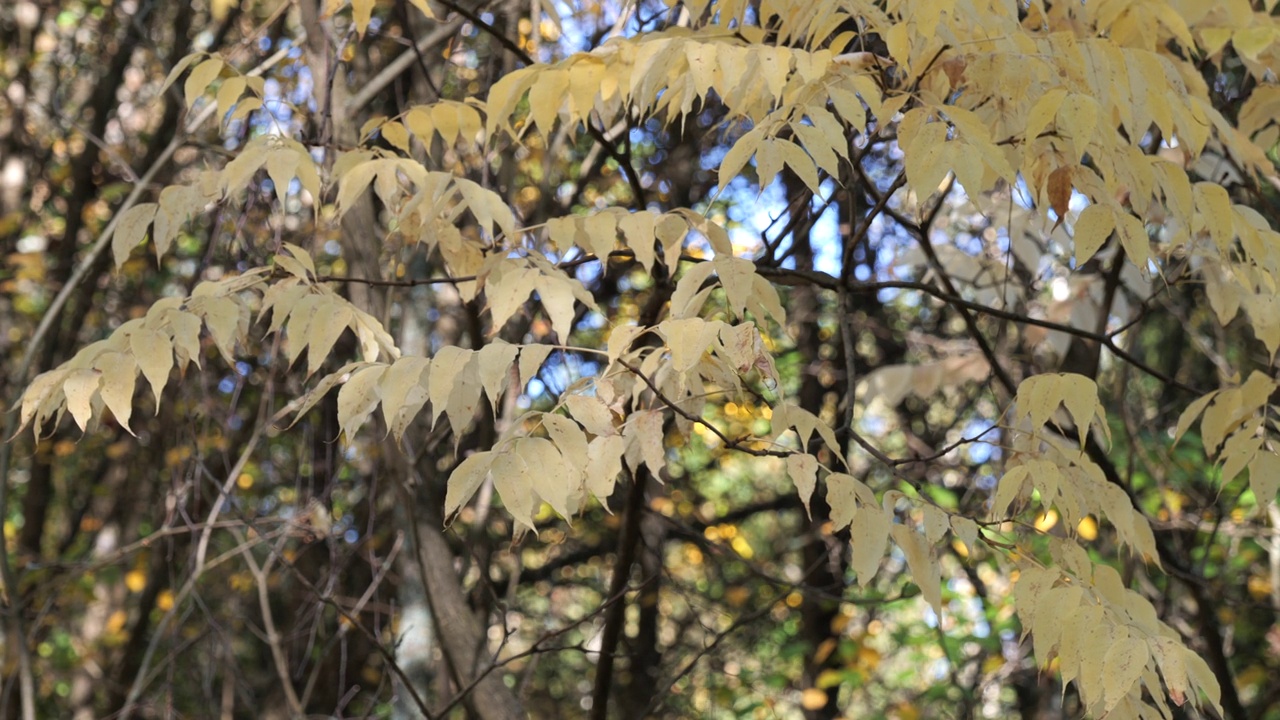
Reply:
x=462, y=635
x=823, y=555
x=615, y=615
x=645, y=657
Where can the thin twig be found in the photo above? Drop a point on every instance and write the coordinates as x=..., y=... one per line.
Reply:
x=354, y=621
x=13, y=607
x=622, y=158
x=698, y=420
x=202, y=546
x=260, y=573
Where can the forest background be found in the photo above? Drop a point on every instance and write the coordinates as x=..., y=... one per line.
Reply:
x=747, y=358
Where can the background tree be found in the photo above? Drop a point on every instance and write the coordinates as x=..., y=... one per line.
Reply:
x=591, y=359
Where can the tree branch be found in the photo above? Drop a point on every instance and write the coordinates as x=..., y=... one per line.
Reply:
x=616, y=615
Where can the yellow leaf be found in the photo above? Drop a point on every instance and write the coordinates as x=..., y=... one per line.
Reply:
x=687, y=340
x=1087, y=529
x=643, y=432
x=926, y=159
x=550, y=480
x=640, y=230
x=802, y=468
x=135, y=581
x=226, y=320
x=418, y=120
x=868, y=538
x=178, y=69
x=1190, y=414
x=531, y=359
x=601, y=231
x=819, y=146
x=446, y=366
x=1008, y=489
x=334, y=317
x=924, y=567
x=671, y=231
x=130, y=230
x=1077, y=121
x=1253, y=40
x=229, y=93
x=200, y=78
x=1092, y=229
x=604, y=464
x=1046, y=520
x=1239, y=450
x=80, y=387
x=153, y=352
x=1075, y=647
x=1213, y=39
x=444, y=115
x=898, y=41
x=1264, y=477
x=842, y=497
x=353, y=183
x=494, y=367
x=177, y=203
x=966, y=530
x=1134, y=239
x=769, y=161
x=424, y=8
x=1054, y=605
x=591, y=411
x=396, y=134
x=764, y=301
x=511, y=478
x=1213, y=205
x=186, y=338
x=1219, y=419
x=1080, y=395
x=361, y=14
x=119, y=375
x=546, y=98
x=1170, y=18
x=801, y=164
x=1029, y=593
x=739, y=154
x=585, y=80
x=1038, y=396
x=571, y=442
x=303, y=257
x=503, y=97
x=556, y=294
x=849, y=106
x=1199, y=673
x=244, y=107
x=1122, y=667
x=489, y=208
x=735, y=277
x=357, y=399
x=1264, y=312
x=828, y=678
x=403, y=393
x=45, y=390
x=813, y=699
x=508, y=292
